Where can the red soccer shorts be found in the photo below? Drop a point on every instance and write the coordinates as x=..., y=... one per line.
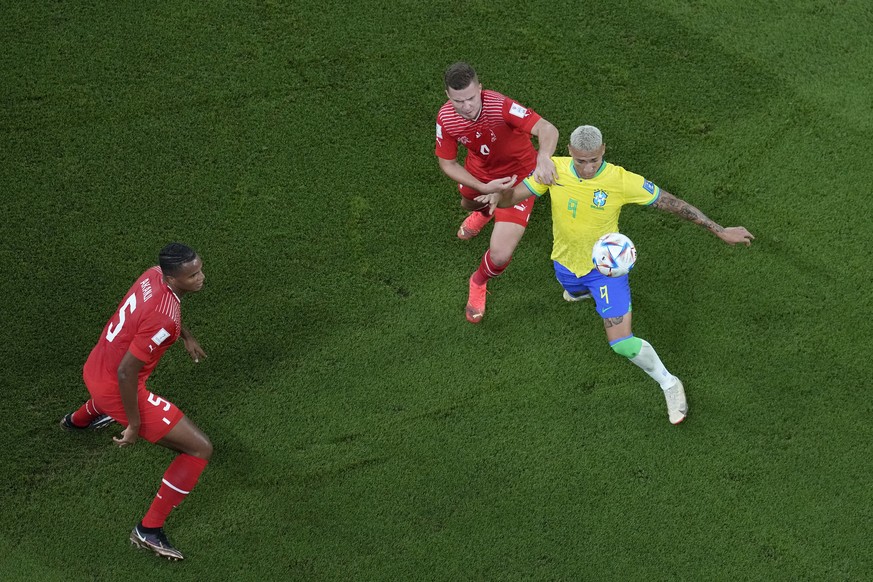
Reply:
x=157, y=415
x=518, y=214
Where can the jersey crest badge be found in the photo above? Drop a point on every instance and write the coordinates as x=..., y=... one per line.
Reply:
x=600, y=198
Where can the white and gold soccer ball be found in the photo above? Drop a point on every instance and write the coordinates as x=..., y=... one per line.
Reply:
x=614, y=254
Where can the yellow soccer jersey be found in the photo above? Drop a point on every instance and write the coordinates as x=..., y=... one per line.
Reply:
x=585, y=210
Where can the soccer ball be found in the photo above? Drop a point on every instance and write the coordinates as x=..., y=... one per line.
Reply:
x=614, y=254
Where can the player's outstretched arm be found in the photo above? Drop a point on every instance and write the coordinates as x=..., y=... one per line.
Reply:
x=506, y=198
x=459, y=174
x=547, y=136
x=731, y=235
x=191, y=345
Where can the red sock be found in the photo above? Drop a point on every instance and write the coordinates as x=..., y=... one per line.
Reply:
x=178, y=481
x=86, y=414
x=487, y=269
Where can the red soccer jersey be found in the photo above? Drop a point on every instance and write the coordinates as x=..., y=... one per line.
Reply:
x=498, y=141
x=147, y=322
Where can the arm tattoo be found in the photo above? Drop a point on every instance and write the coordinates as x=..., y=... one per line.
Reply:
x=679, y=207
x=613, y=321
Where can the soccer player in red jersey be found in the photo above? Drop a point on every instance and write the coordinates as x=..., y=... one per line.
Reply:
x=495, y=130
x=146, y=323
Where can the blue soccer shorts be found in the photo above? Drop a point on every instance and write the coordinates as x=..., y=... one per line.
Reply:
x=612, y=297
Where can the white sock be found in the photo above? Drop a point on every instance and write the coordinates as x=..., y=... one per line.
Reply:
x=650, y=363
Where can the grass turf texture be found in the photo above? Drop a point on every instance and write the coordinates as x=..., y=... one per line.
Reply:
x=363, y=429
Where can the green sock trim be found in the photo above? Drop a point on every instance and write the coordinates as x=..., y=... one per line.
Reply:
x=629, y=347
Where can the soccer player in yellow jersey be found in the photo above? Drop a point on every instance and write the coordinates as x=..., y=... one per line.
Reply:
x=587, y=197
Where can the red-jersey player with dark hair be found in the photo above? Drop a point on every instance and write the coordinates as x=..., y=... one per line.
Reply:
x=495, y=130
x=147, y=322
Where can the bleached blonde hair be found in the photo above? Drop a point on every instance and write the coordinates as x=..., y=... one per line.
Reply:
x=586, y=138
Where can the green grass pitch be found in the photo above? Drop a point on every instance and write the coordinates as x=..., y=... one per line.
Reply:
x=363, y=430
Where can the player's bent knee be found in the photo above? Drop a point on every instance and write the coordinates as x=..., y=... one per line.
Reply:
x=204, y=449
x=628, y=347
x=186, y=437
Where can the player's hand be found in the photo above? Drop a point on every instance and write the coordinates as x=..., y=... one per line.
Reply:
x=193, y=348
x=545, y=172
x=490, y=199
x=499, y=184
x=128, y=437
x=736, y=234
